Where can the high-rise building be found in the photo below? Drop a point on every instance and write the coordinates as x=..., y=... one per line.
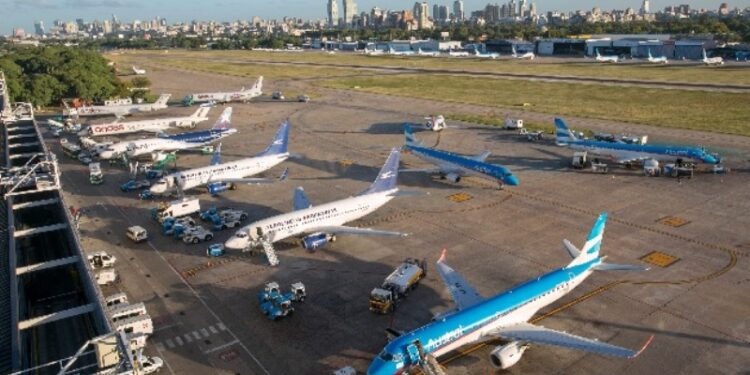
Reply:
x=333, y=13
x=513, y=8
x=532, y=10
x=39, y=28
x=458, y=10
x=723, y=9
x=523, y=8
x=107, y=27
x=350, y=9
x=423, y=19
x=646, y=7
x=443, y=13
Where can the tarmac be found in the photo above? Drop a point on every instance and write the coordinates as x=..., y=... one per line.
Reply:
x=207, y=318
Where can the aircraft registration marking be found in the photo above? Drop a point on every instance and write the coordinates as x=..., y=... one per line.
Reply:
x=660, y=259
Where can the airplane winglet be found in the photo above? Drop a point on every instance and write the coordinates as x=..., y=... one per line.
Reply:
x=645, y=345
x=442, y=256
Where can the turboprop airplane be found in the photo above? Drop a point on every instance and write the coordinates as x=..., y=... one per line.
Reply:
x=454, y=166
x=488, y=55
x=175, y=142
x=718, y=60
x=657, y=60
x=505, y=316
x=137, y=71
x=393, y=52
x=219, y=177
x=606, y=59
x=428, y=53
x=322, y=223
x=526, y=56
x=117, y=110
x=625, y=153
x=225, y=97
x=157, y=125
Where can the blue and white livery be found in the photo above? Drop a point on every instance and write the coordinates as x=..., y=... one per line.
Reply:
x=453, y=166
x=624, y=153
x=505, y=316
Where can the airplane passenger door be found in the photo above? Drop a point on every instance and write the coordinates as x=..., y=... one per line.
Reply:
x=414, y=352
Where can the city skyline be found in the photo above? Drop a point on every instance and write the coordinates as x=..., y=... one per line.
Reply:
x=26, y=12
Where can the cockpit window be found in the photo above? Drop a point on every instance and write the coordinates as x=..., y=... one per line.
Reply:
x=384, y=355
x=241, y=234
x=161, y=182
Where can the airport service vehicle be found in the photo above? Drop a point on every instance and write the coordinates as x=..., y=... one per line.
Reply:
x=117, y=109
x=175, y=142
x=171, y=226
x=628, y=154
x=277, y=95
x=303, y=98
x=208, y=214
x=137, y=234
x=141, y=324
x=70, y=149
x=327, y=218
x=215, y=250
x=712, y=60
x=219, y=177
x=275, y=304
x=532, y=135
x=435, y=123
x=580, y=159
x=95, y=174
x=123, y=312
x=84, y=157
x=106, y=276
x=137, y=71
x=606, y=59
x=225, y=97
x=528, y=55
x=158, y=125
x=513, y=123
x=453, y=166
x=197, y=234
x=221, y=222
x=657, y=60
x=150, y=365
x=115, y=300
x=397, y=286
x=101, y=259
x=504, y=316
x=132, y=185
x=677, y=170
x=176, y=208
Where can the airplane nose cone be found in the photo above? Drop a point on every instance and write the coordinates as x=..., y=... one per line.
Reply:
x=712, y=159
x=105, y=155
x=511, y=180
x=236, y=243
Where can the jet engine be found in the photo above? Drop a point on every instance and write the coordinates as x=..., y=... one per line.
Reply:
x=503, y=357
x=317, y=240
x=452, y=177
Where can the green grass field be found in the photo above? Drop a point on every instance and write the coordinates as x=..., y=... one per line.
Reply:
x=706, y=111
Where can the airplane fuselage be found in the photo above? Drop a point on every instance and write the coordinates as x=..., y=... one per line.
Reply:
x=170, y=143
x=155, y=126
x=449, y=162
x=237, y=169
x=624, y=151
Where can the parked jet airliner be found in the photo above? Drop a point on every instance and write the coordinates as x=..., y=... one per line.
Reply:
x=322, y=223
x=606, y=59
x=657, y=60
x=117, y=110
x=718, y=60
x=525, y=56
x=453, y=166
x=505, y=316
x=226, y=97
x=157, y=125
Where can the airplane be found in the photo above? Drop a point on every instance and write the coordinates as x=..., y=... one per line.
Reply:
x=657, y=60
x=453, y=166
x=137, y=71
x=526, y=56
x=428, y=53
x=373, y=52
x=167, y=143
x=606, y=59
x=393, y=52
x=505, y=316
x=625, y=153
x=488, y=55
x=219, y=177
x=117, y=110
x=226, y=97
x=322, y=223
x=458, y=54
x=718, y=60
x=158, y=125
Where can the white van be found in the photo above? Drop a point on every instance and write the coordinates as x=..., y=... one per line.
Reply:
x=140, y=324
x=127, y=311
x=106, y=277
x=137, y=233
x=116, y=300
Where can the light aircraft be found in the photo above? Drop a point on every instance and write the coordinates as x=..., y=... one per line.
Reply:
x=488, y=55
x=117, y=110
x=393, y=52
x=606, y=59
x=219, y=177
x=322, y=223
x=428, y=53
x=453, y=166
x=175, y=142
x=137, y=71
x=718, y=60
x=526, y=56
x=657, y=60
x=505, y=316
x=225, y=97
x=625, y=153
x=158, y=125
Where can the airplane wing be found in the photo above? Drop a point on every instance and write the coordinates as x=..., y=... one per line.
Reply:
x=420, y=170
x=483, y=156
x=300, y=199
x=462, y=292
x=249, y=180
x=343, y=229
x=537, y=334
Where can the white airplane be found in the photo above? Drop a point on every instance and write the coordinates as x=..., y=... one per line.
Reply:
x=117, y=110
x=225, y=97
x=718, y=60
x=477, y=319
x=373, y=52
x=526, y=56
x=324, y=222
x=174, y=142
x=458, y=54
x=158, y=125
x=428, y=53
x=393, y=52
x=657, y=60
x=219, y=177
x=488, y=55
x=137, y=71
x=606, y=59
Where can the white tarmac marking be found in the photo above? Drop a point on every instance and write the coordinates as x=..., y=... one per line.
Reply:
x=221, y=347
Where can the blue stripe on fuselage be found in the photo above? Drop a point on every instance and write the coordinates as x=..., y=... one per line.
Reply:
x=495, y=171
x=678, y=152
x=199, y=136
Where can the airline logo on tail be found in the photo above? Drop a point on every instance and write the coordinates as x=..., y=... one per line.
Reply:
x=563, y=135
x=225, y=120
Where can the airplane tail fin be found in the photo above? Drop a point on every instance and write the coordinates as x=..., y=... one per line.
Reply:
x=224, y=121
x=202, y=112
x=258, y=85
x=649, y=54
x=280, y=142
x=590, y=249
x=563, y=135
x=163, y=98
x=513, y=50
x=388, y=175
x=410, y=139
x=598, y=54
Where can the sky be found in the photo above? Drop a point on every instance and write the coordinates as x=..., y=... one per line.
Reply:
x=23, y=13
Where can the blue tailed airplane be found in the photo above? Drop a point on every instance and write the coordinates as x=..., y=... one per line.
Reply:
x=624, y=153
x=505, y=316
x=453, y=166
